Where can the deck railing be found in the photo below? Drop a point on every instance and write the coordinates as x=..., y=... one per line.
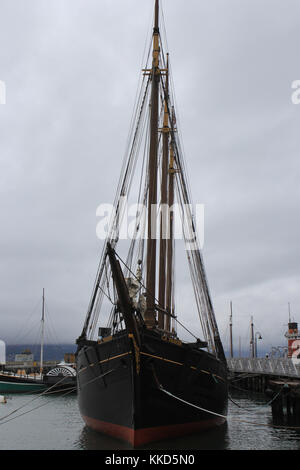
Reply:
x=268, y=366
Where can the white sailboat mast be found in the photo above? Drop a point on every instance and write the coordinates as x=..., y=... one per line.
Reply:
x=43, y=329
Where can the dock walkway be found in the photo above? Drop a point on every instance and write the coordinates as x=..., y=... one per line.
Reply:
x=280, y=367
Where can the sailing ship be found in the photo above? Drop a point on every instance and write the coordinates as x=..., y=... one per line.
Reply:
x=62, y=377
x=137, y=380
x=20, y=383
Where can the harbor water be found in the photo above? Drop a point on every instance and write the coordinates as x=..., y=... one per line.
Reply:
x=56, y=424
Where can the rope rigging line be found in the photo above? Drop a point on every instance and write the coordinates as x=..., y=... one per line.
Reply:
x=124, y=185
x=107, y=296
x=263, y=405
x=124, y=191
x=253, y=423
x=142, y=285
x=141, y=198
x=191, y=404
x=201, y=305
x=195, y=261
x=196, y=266
x=49, y=401
x=36, y=397
x=37, y=407
x=21, y=334
x=239, y=406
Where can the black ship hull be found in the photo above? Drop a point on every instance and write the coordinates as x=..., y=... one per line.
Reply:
x=139, y=394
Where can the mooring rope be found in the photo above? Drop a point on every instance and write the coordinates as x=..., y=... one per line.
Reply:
x=37, y=407
x=47, y=393
x=191, y=404
x=36, y=397
x=277, y=395
x=263, y=404
x=239, y=406
x=226, y=417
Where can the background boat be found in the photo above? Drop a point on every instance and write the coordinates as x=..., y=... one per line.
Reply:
x=61, y=377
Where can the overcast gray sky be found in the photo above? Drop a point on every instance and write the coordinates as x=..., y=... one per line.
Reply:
x=71, y=69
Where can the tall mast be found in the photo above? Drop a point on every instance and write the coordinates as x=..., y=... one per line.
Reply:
x=169, y=283
x=164, y=200
x=252, y=339
x=150, y=316
x=42, y=338
x=230, y=331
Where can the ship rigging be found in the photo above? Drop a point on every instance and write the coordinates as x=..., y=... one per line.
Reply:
x=141, y=339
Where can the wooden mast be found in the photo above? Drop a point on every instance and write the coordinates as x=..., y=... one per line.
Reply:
x=164, y=200
x=230, y=331
x=169, y=283
x=150, y=315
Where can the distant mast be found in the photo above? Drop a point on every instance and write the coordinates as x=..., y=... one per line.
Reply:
x=42, y=338
x=252, y=339
x=230, y=330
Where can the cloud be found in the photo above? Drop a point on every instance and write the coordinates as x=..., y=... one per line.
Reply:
x=71, y=70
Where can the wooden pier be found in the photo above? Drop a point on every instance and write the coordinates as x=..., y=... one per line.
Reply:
x=277, y=378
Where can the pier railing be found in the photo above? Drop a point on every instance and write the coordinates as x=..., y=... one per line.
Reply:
x=266, y=366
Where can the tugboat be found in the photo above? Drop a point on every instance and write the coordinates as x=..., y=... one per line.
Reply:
x=138, y=380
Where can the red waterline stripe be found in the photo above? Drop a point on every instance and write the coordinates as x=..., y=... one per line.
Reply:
x=138, y=437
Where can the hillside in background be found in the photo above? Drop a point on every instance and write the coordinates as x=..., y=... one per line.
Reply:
x=57, y=351
x=51, y=351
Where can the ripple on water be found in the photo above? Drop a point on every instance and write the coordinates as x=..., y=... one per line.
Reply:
x=58, y=425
